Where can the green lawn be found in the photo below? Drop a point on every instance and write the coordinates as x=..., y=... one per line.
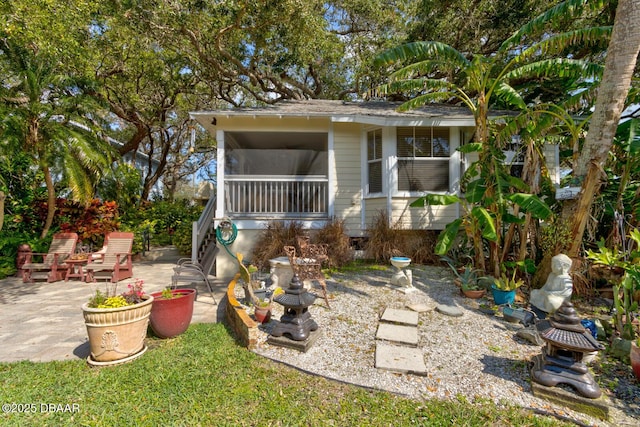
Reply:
x=204, y=378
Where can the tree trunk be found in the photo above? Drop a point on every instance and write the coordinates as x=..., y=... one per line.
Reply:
x=51, y=201
x=2, y=197
x=619, y=65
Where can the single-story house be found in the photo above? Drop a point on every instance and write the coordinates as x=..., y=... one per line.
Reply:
x=313, y=160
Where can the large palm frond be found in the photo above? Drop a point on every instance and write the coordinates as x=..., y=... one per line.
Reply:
x=569, y=8
x=509, y=95
x=558, y=43
x=557, y=67
x=415, y=51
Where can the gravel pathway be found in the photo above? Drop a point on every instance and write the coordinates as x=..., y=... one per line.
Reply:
x=476, y=356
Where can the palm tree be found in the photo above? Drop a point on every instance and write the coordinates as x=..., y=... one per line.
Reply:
x=44, y=115
x=620, y=63
x=438, y=72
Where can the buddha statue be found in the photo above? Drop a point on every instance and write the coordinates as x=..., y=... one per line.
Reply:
x=556, y=290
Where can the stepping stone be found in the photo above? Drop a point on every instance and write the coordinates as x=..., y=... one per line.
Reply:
x=420, y=308
x=449, y=310
x=400, y=359
x=405, y=317
x=398, y=334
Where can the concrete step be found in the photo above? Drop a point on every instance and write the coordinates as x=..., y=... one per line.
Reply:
x=399, y=334
x=162, y=254
x=402, y=359
x=404, y=317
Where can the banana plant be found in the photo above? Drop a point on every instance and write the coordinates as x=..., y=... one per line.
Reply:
x=487, y=204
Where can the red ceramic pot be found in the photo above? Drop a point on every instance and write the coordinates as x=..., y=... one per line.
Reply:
x=635, y=360
x=172, y=316
x=262, y=314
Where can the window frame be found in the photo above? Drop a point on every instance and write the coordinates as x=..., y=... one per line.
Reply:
x=422, y=159
x=375, y=159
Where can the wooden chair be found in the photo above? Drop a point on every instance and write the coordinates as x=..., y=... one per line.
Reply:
x=309, y=267
x=114, y=261
x=53, y=267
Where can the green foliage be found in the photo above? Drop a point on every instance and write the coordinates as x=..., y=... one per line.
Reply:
x=133, y=295
x=506, y=282
x=165, y=223
x=101, y=301
x=122, y=184
x=481, y=215
x=485, y=23
x=468, y=277
x=165, y=218
x=167, y=294
x=183, y=238
x=619, y=196
x=554, y=236
x=624, y=291
x=430, y=71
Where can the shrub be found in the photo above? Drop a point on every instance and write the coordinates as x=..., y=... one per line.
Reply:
x=388, y=241
x=182, y=238
x=271, y=241
x=9, y=250
x=334, y=235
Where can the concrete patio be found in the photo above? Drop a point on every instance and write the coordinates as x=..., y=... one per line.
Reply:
x=43, y=321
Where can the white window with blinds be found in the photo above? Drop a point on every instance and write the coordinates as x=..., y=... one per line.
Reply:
x=374, y=161
x=423, y=158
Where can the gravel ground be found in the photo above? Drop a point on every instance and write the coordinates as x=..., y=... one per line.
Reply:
x=477, y=356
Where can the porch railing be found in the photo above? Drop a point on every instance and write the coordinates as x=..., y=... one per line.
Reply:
x=254, y=195
x=201, y=227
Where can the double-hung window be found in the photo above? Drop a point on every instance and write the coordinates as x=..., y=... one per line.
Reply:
x=423, y=158
x=374, y=160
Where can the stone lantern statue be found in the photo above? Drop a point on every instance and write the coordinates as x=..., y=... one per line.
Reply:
x=561, y=361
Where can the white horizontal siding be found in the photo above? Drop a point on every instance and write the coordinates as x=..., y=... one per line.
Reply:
x=423, y=218
x=348, y=188
x=374, y=206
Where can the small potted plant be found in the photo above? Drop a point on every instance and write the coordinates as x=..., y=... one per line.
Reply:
x=117, y=324
x=504, y=288
x=171, y=311
x=262, y=307
x=467, y=280
x=262, y=310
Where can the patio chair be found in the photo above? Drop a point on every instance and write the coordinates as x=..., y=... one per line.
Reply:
x=309, y=267
x=189, y=271
x=52, y=266
x=114, y=261
x=317, y=251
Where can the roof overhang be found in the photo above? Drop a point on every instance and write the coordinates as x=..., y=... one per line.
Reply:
x=375, y=113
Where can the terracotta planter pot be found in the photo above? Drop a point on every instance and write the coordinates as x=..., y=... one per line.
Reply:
x=262, y=314
x=117, y=335
x=474, y=293
x=171, y=317
x=635, y=360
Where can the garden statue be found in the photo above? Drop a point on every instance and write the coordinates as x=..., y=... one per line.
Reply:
x=556, y=290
